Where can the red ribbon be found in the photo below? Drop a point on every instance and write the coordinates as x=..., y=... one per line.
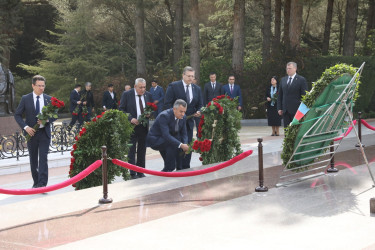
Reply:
x=66, y=183
x=183, y=174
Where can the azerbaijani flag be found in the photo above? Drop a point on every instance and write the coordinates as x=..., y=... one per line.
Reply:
x=301, y=112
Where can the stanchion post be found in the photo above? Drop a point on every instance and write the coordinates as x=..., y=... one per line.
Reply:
x=105, y=198
x=260, y=188
x=62, y=138
x=359, y=122
x=372, y=205
x=332, y=169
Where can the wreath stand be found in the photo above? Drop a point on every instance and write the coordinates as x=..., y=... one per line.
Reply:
x=305, y=162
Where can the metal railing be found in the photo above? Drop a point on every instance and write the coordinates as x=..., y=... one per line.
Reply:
x=15, y=146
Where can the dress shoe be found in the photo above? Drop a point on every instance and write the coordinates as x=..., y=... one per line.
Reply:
x=35, y=186
x=141, y=175
x=273, y=135
x=133, y=177
x=41, y=185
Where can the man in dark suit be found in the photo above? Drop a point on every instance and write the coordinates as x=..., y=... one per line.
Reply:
x=168, y=135
x=292, y=88
x=31, y=105
x=134, y=102
x=232, y=90
x=88, y=100
x=192, y=95
x=211, y=89
x=157, y=93
x=75, y=100
x=109, y=98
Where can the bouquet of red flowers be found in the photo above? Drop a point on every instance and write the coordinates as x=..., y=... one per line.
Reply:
x=48, y=112
x=199, y=146
x=147, y=113
x=76, y=110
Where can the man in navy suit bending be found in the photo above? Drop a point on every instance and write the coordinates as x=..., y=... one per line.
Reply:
x=134, y=102
x=31, y=105
x=292, y=88
x=192, y=95
x=232, y=90
x=168, y=135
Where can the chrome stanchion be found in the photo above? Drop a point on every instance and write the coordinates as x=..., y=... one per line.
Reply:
x=260, y=188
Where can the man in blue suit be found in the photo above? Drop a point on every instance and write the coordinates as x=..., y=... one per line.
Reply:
x=75, y=100
x=292, y=88
x=157, y=93
x=192, y=95
x=168, y=135
x=31, y=105
x=134, y=102
x=211, y=89
x=232, y=90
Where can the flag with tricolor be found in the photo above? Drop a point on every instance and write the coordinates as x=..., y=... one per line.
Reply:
x=301, y=112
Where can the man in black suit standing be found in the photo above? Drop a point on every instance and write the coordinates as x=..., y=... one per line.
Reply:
x=75, y=100
x=211, y=89
x=88, y=100
x=109, y=98
x=192, y=95
x=168, y=135
x=134, y=102
x=292, y=88
x=31, y=105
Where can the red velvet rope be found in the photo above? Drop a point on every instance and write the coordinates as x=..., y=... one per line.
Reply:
x=183, y=174
x=347, y=132
x=367, y=125
x=66, y=183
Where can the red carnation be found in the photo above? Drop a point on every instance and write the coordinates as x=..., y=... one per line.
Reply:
x=221, y=110
x=77, y=139
x=72, y=160
x=94, y=120
x=74, y=146
x=196, y=145
x=200, y=158
x=72, y=153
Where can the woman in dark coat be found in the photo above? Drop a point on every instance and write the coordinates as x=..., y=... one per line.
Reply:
x=274, y=119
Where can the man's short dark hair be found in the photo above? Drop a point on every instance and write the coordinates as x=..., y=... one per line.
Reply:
x=153, y=80
x=232, y=75
x=38, y=78
x=212, y=73
x=110, y=85
x=78, y=86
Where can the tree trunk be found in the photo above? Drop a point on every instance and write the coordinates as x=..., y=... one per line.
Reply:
x=140, y=39
x=238, y=37
x=287, y=5
x=266, y=31
x=194, y=38
x=340, y=18
x=178, y=31
x=295, y=26
x=327, y=27
x=370, y=26
x=350, y=27
x=277, y=35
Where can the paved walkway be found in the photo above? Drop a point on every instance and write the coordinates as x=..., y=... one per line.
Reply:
x=214, y=211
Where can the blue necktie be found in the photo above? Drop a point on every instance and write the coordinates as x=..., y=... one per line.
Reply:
x=37, y=106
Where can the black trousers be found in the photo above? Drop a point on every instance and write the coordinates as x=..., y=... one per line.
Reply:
x=75, y=118
x=38, y=147
x=288, y=118
x=172, y=157
x=138, y=139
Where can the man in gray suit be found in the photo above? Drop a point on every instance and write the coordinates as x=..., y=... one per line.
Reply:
x=31, y=105
x=292, y=88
